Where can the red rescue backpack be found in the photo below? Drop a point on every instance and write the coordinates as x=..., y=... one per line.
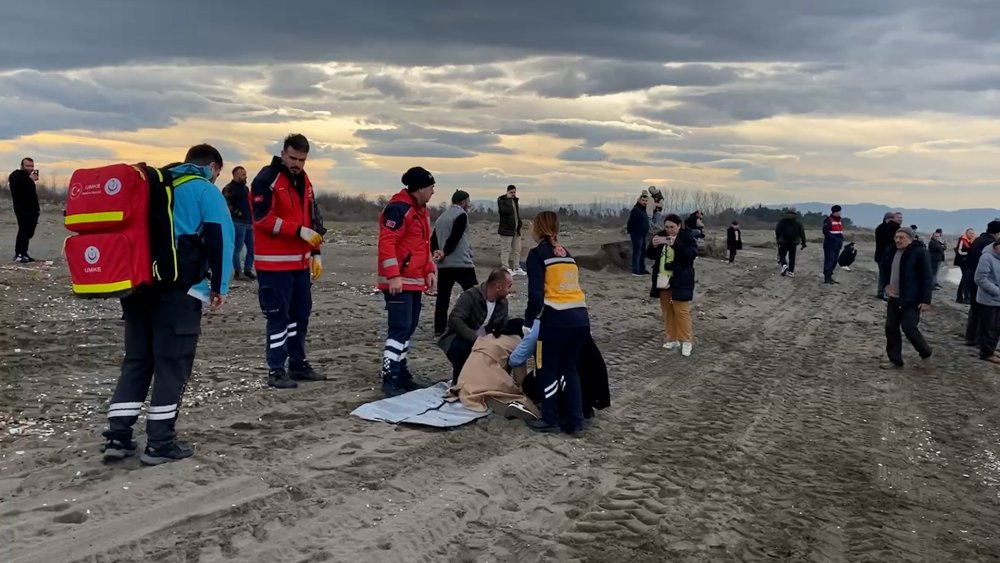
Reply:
x=122, y=217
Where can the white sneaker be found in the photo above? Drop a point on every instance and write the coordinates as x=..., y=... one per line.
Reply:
x=671, y=345
x=519, y=272
x=686, y=348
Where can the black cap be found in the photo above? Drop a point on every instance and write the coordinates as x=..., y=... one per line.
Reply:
x=417, y=178
x=835, y=209
x=459, y=196
x=993, y=227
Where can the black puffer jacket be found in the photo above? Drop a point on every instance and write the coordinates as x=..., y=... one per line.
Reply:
x=916, y=280
x=685, y=252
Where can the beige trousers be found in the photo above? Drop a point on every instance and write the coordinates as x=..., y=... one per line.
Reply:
x=676, y=318
x=510, y=252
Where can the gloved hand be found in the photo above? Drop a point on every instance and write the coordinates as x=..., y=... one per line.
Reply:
x=316, y=266
x=312, y=237
x=534, y=328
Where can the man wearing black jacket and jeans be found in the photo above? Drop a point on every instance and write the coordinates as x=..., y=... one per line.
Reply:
x=638, y=229
x=905, y=274
x=24, y=196
x=885, y=235
x=983, y=242
x=789, y=233
x=237, y=195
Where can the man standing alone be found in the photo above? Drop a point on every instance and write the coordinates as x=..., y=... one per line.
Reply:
x=789, y=233
x=453, y=255
x=510, y=231
x=833, y=241
x=289, y=232
x=905, y=273
x=26, y=209
x=237, y=195
x=885, y=236
x=638, y=228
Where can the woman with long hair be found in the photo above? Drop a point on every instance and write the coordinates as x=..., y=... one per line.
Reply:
x=675, y=249
x=962, y=248
x=558, y=305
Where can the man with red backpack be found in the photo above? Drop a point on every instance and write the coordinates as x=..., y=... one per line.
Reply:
x=405, y=270
x=288, y=232
x=163, y=320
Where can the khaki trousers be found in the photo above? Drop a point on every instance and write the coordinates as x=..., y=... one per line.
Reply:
x=510, y=252
x=676, y=318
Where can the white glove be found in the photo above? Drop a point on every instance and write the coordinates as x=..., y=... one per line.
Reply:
x=310, y=236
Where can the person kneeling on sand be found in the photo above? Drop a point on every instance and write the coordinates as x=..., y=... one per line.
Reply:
x=905, y=273
x=478, y=311
x=675, y=250
x=487, y=379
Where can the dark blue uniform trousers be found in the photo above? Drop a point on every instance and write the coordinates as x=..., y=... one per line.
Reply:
x=558, y=380
x=286, y=300
x=404, y=315
x=161, y=336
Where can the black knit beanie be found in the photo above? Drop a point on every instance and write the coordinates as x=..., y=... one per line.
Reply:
x=417, y=178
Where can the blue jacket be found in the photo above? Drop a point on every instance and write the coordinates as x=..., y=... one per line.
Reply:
x=988, y=279
x=638, y=221
x=916, y=278
x=203, y=229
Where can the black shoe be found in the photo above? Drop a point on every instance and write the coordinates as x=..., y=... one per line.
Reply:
x=392, y=386
x=175, y=451
x=22, y=259
x=543, y=427
x=117, y=450
x=30, y=259
x=407, y=382
x=305, y=372
x=249, y=275
x=279, y=379
x=236, y=275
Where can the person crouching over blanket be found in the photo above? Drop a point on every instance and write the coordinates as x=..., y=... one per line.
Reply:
x=478, y=311
x=486, y=380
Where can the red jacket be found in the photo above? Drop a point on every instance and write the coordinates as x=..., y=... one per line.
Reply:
x=404, y=243
x=279, y=209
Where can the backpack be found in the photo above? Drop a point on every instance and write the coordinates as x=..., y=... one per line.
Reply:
x=848, y=255
x=121, y=217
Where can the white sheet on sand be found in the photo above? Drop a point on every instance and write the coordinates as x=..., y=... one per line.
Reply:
x=423, y=406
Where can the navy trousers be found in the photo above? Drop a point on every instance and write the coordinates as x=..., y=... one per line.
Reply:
x=638, y=252
x=161, y=336
x=558, y=380
x=403, y=315
x=830, y=255
x=286, y=300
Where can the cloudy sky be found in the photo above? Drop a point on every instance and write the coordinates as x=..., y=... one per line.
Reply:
x=891, y=101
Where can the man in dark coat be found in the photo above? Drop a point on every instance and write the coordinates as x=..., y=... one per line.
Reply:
x=790, y=234
x=509, y=209
x=905, y=274
x=638, y=228
x=24, y=196
x=734, y=240
x=885, y=235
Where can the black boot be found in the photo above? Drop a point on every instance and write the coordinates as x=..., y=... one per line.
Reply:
x=392, y=386
x=249, y=275
x=279, y=379
x=406, y=381
x=305, y=372
x=116, y=449
x=543, y=427
x=174, y=451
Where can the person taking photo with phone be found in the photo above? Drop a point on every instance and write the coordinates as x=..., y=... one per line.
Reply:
x=24, y=196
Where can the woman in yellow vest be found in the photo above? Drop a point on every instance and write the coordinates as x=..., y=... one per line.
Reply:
x=674, y=249
x=558, y=305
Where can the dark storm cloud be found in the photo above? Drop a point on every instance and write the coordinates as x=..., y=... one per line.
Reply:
x=295, y=82
x=593, y=134
x=596, y=78
x=112, y=32
x=407, y=139
x=388, y=85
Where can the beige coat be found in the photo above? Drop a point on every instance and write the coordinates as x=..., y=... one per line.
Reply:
x=485, y=375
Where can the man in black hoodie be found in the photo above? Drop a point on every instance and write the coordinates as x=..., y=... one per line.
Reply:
x=789, y=234
x=237, y=195
x=884, y=237
x=983, y=242
x=26, y=209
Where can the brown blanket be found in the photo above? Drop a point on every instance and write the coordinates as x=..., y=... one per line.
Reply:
x=485, y=375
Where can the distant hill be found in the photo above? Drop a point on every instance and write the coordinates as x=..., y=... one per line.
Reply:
x=869, y=215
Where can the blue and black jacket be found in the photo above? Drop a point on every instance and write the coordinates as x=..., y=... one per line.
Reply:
x=203, y=229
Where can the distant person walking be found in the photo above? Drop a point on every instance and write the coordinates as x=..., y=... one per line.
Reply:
x=288, y=234
x=24, y=196
x=509, y=230
x=987, y=278
x=237, y=195
x=885, y=236
x=405, y=270
x=790, y=234
x=962, y=248
x=833, y=241
x=980, y=245
x=675, y=249
x=905, y=272
x=734, y=240
x=559, y=306
x=452, y=251
x=936, y=248
x=638, y=229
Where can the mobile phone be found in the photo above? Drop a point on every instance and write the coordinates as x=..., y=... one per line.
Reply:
x=34, y=172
